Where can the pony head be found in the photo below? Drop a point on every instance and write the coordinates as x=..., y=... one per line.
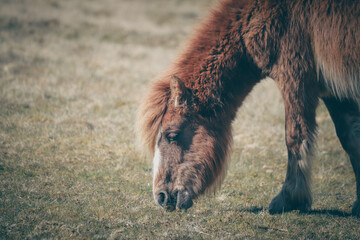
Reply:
x=189, y=149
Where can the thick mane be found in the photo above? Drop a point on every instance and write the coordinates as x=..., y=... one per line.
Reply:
x=197, y=57
x=152, y=109
x=210, y=55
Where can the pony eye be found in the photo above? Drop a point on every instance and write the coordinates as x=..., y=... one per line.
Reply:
x=172, y=136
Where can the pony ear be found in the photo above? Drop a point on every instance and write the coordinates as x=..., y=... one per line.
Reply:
x=179, y=93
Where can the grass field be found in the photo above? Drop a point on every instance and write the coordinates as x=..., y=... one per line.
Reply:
x=71, y=75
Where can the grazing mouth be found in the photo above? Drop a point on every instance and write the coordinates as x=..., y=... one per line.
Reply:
x=169, y=202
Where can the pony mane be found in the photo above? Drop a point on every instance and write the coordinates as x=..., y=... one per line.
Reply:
x=196, y=61
x=151, y=111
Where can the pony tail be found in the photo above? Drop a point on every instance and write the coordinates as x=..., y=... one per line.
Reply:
x=150, y=113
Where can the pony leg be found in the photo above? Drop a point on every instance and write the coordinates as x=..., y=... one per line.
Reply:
x=300, y=106
x=346, y=117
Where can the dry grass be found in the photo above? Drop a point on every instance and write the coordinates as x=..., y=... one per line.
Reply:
x=71, y=76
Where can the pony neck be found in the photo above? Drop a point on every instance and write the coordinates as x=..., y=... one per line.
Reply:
x=213, y=65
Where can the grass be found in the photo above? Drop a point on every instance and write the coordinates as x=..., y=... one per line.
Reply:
x=71, y=76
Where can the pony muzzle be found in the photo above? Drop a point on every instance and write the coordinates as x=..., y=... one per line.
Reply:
x=180, y=200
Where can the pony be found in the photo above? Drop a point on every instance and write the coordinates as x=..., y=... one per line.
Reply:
x=309, y=48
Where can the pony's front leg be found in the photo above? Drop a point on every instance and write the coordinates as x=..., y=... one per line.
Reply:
x=300, y=99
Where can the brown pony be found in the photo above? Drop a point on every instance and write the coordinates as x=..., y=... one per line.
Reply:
x=310, y=48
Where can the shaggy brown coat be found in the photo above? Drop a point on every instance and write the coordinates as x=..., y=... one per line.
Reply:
x=310, y=48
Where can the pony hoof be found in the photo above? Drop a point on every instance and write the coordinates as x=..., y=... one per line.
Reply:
x=280, y=205
x=356, y=209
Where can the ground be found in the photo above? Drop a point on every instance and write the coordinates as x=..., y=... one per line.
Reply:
x=71, y=76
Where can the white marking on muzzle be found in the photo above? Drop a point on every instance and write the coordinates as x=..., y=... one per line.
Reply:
x=156, y=162
x=157, y=158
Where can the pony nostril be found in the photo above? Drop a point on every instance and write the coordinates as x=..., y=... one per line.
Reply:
x=161, y=198
x=184, y=200
x=166, y=201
